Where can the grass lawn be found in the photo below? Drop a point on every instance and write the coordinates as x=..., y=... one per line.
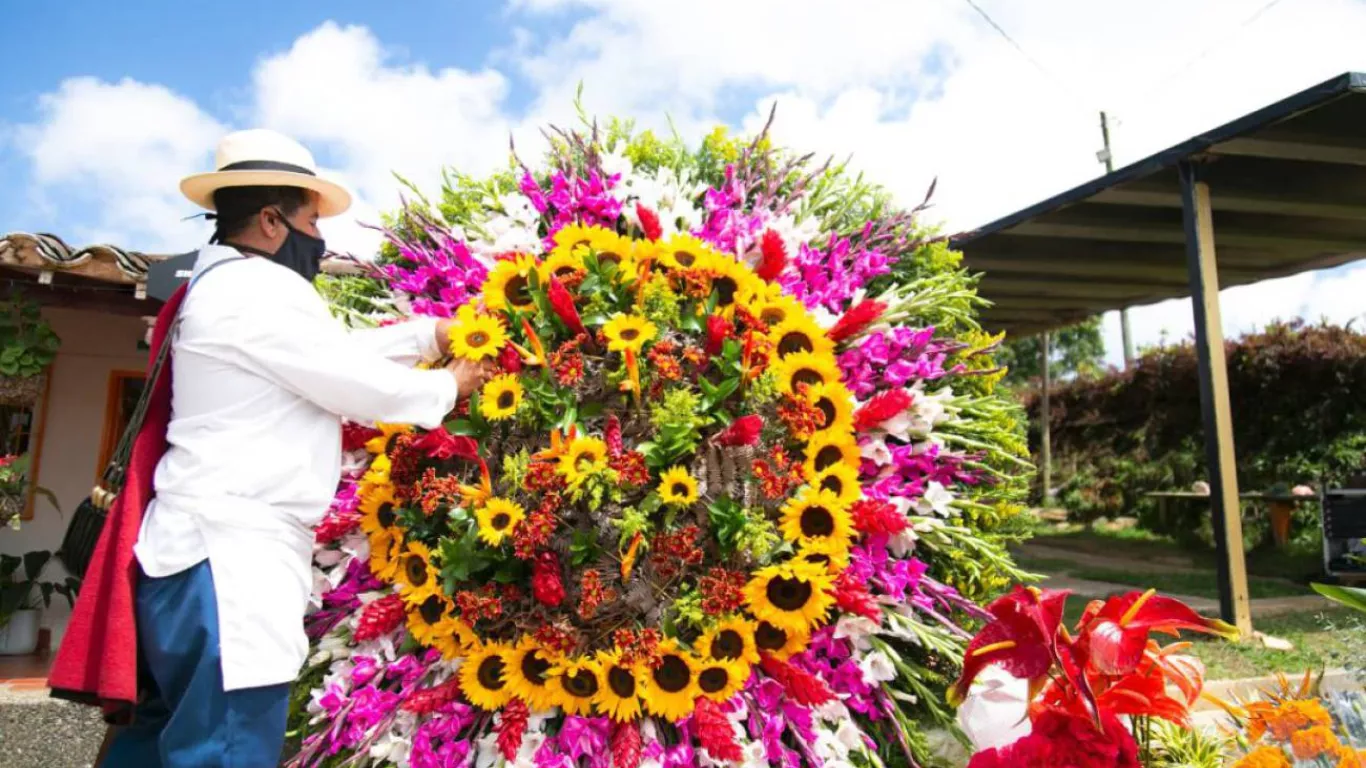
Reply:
x=1321, y=638
x=1196, y=584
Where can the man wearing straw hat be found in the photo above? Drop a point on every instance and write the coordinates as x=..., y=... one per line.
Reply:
x=216, y=573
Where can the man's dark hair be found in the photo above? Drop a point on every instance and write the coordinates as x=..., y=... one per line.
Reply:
x=236, y=206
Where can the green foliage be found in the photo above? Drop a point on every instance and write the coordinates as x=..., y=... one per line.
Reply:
x=27, y=343
x=353, y=298
x=660, y=304
x=686, y=611
x=635, y=520
x=515, y=467
x=1295, y=391
x=1175, y=746
x=677, y=425
x=1077, y=350
x=1352, y=597
x=24, y=590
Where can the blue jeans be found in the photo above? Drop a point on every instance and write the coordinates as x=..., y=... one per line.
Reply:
x=192, y=722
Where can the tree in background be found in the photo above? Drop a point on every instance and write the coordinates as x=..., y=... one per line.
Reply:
x=1076, y=350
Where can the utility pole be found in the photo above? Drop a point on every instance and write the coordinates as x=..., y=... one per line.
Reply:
x=1045, y=431
x=1105, y=156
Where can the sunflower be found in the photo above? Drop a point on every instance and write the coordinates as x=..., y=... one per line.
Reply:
x=475, y=336
x=806, y=368
x=378, y=510
x=778, y=642
x=562, y=263
x=416, y=578
x=841, y=480
x=612, y=248
x=585, y=456
x=497, y=519
x=836, y=404
x=625, y=332
x=731, y=640
x=483, y=676
x=720, y=680
x=677, y=487
x=500, y=397
x=797, y=332
x=830, y=554
x=827, y=449
x=385, y=548
x=619, y=695
x=685, y=252
x=729, y=279
x=760, y=293
x=671, y=687
x=794, y=595
x=508, y=285
x=377, y=473
x=572, y=237
x=528, y=675
x=576, y=683
x=384, y=441
x=431, y=623
x=815, y=514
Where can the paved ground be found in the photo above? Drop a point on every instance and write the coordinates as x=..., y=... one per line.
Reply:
x=39, y=732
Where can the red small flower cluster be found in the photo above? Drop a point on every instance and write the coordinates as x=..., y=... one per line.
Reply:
x=405, y=459
x=695, y=356
x=639, y=646
x=476, y=605
x=567, y=362
x=556, y=639
x=670, y=552
x=541, y=477
x=593, y=593
x=723, y=591
x=696, y=283
x=546, y=584
x=778, y=477
x=1063, y=738
x=664, y=362
x=801, y=417
x=630, y=468
x=747, y=319
x=533, y=534
x=436, y=492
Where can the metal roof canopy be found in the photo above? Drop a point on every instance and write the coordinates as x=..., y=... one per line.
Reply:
x=1288, y=190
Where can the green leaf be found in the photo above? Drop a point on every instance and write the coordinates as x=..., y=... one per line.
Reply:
x=1352, y=597
x=462, y=427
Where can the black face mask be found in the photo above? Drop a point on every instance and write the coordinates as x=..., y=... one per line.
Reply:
x=300, y=252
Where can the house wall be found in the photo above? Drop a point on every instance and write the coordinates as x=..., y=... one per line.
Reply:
x=93, y=345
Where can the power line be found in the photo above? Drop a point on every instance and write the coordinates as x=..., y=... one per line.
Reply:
x=1035, y=62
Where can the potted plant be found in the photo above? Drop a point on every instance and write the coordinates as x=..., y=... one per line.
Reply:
x=14, y=487
x=27, y=346
x=22, y=594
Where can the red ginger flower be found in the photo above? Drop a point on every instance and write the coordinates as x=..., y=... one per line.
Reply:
x=1062, y=738
x=509, y=359
x=802, y=686
x=379, y=617
x=714, y=732
x=718, y=330
x=429, y=700
x=611, y=434
x=649, y=226
x=562, y=304
x=877, y=517
x=852, y=596
x=857, y=318
x=546, y=585
x=626, y=745
x=354, y=437
x=743, y=431
x=512, y=721
x=880, y=408
x=335, y=526
x=773, y=256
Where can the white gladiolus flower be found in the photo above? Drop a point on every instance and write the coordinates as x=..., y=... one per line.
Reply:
x=876, y=451
x=877, y=668
x=936, y=499
x=855, y=628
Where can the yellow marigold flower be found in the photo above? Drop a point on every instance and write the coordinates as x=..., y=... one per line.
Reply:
x=1312, y=742
x=1263, y=757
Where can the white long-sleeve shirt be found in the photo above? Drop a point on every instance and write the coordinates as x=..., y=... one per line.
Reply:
x=261, y=376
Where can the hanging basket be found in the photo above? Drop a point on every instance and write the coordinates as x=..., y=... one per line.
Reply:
x=11, y=505
x=20, y=391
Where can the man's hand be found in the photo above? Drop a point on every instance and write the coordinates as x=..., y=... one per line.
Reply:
x=469, y=375
x=443, y=335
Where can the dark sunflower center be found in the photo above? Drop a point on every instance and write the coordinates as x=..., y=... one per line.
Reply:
x=431, y=609
x=832, y=483
x=385, y=514
x=817, y=521
x=770, y=638
x=500, y=521
x=534, y=668
x=505, y=399
x=622, y=682
x=725, y=290
x=580, y=244
x=679, y=489
x=564, y=271
x=477, y=339
x=389, y=443
x=630, y=334
x=517, y=292
x=608, y=257
x=728, y=644
x=586, y=459
x=827, y=409
x=672, y=675
x=772, y=316
x=789, y=594
x=828, y=457
x=491, y=673
x=582, y=684
x=819, y=559
x=684, y=258
x=808, y=377
x=794, y=342
x=713, y=679
x=416, y=569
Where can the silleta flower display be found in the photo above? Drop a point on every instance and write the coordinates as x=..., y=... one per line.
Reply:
x=692, y=518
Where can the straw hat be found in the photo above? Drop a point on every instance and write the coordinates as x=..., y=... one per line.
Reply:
x=262, y=158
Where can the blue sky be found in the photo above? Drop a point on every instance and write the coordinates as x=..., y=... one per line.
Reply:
x=104, y=106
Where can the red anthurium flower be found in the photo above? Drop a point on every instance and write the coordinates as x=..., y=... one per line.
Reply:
x=743, y=431
x=1113, y=636
x=563, y=306
x=1022, y=638
x=440, y=444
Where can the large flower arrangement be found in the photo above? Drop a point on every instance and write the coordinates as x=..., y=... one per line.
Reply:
x=737, y=482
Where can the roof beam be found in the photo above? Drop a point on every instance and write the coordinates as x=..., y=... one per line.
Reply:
x=1284, y=145
x=1143, y=271
x=1227, y=200
x=1080, y=230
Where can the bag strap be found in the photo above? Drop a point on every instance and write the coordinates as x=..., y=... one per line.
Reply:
x=117, y=469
